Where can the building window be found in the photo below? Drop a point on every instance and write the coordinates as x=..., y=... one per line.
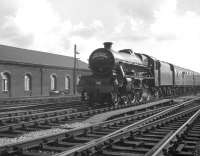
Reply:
x=27, y=82
x=5, y=82
x=67, y=82
x=78, y=79
x=53, y=82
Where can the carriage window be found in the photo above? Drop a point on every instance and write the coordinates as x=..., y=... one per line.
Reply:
x=5, y=82
x=67, y=82
x=53, y=82
x=27, y=82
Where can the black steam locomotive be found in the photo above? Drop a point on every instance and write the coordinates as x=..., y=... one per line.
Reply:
x=124, y=76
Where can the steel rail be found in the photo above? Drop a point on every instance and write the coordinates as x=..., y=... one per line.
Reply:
x=166, y=144
x=41, y=114
x=38, y=104
x=68, y=116
x=138, y=124
x=31, y=143
x=134, y=116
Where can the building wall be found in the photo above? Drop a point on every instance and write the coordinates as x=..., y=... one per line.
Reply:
x=40, y=77
x=60, y=75
x=17, y=74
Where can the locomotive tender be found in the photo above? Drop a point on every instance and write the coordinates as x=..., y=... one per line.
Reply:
x=124, y=76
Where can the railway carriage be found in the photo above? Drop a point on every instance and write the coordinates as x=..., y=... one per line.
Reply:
x=184, y=80
x=196, y=81
x=124, y=76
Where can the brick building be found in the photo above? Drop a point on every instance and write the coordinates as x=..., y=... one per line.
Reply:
x=25, y=73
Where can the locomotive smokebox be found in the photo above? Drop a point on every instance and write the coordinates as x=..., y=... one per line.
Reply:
x=107, y=45
x=101, y=61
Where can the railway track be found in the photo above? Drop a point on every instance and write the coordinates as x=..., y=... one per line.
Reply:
x=43, y=107
x=144, y=141
x=13, y=126
x=15, y=106
x=142, y=138
x=87, y=136
x=185, y=141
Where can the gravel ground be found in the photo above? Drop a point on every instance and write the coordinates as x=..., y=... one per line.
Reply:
x=42, y=133
x=74, y=125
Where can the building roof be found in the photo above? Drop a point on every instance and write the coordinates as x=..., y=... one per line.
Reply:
x=25, y=56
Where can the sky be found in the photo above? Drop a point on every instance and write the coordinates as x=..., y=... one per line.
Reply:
x=168, y=30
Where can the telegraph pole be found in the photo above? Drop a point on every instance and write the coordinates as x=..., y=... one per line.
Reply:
x=74, y=72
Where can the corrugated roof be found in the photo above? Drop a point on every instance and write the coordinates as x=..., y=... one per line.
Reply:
x=8, y=53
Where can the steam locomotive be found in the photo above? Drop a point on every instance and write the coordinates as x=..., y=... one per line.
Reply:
x=124, y=76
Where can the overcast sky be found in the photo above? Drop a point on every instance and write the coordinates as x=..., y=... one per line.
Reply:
x=166, y=29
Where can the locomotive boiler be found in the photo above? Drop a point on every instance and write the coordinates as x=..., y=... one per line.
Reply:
x=124, y=76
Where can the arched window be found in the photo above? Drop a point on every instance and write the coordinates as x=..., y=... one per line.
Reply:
x=67, y=82
x=27, y=82
x=5, y=82
x=53, y=82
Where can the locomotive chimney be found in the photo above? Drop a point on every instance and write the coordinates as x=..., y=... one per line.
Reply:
x=107, y=45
